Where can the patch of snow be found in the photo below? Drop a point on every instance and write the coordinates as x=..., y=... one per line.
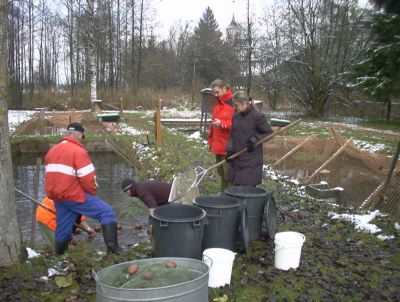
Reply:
x=31, y=253
x=195, y=135
x=397, y=226
x=338, y=188
x=372, y=148
x=129, y=130
x=385, y=237
x=361, y=221
x=17, y=117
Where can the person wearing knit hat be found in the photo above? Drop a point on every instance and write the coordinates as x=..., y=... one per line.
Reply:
x=152, y=193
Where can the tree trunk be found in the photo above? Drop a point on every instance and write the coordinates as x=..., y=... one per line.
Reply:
x=389, y=102
x=10, y=233
x=92, y=55
x=249, y=50
x=140, y=45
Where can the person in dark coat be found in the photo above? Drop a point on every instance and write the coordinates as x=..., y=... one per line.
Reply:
x=248, y=127
x=152, y=193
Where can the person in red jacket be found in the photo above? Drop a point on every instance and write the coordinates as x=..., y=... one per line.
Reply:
x=70, y=180
x=221, y=123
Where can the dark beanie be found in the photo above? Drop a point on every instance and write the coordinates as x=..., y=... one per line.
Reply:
x=126, y=183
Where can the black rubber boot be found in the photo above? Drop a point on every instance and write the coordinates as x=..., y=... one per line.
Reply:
x=111, y=238
x=61, y=247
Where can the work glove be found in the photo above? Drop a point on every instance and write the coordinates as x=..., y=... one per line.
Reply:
x=251, y=142
x=229, y=153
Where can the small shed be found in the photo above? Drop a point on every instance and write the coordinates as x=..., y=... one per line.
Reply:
x=208, y=101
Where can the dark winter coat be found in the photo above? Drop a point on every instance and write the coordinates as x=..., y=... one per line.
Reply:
x=152, y=193
x=246, y=170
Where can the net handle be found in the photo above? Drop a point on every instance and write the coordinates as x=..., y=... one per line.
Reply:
x=244, y=150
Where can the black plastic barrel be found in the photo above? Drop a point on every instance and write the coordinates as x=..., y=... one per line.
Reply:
x=178, y=230
x=253, y=199
x=222, y=214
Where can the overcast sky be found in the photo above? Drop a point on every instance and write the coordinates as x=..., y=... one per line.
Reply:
x=169, y=12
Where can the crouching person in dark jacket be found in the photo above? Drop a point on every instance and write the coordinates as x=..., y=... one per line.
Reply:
x=248, y=127
x=152, y=193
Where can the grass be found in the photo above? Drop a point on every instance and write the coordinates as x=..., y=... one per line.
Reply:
x=337, y=264
x=393, y=125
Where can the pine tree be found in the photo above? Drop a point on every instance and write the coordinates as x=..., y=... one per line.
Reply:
x=378, y=73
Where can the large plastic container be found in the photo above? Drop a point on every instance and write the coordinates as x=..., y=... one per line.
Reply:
x=193, y=290
x=222, y=214
x=178, y=230
x=288, y=249
x=220, y=262
x=253, y=199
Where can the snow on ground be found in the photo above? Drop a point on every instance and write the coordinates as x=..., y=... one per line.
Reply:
x=362, y=222
x=129, y=130
x=17, y=117
x=372, y=148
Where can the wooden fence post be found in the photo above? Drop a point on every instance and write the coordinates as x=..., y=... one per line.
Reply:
x=158, y=126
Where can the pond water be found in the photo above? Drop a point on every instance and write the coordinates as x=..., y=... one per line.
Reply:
x=110, y=171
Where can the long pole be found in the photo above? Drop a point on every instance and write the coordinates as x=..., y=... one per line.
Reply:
x=45, y=207
x=328, y=162
x=390, y=173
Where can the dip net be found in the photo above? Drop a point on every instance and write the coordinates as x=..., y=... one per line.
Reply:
x=184, y=187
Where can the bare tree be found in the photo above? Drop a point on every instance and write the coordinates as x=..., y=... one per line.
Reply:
x=10, y=233
x=322, y=39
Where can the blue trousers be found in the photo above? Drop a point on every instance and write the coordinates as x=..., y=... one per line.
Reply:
x=68, y=211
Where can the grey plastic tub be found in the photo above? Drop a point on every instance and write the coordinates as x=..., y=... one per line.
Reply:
x=178, y=230
x=253, y=199
x=195, y=290
x=223, y=225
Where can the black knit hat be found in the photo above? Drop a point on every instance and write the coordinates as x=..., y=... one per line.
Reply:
x=76, y=127
x=126, y=184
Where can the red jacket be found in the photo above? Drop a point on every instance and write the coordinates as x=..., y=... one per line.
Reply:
x=69, y=172
x=218, y=136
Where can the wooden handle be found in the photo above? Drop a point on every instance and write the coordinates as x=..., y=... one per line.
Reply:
x=261, y=141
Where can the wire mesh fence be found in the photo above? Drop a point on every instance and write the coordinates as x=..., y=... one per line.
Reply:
x=339, y=163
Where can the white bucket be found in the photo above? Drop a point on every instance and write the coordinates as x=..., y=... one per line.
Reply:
x=220, y=262
x=288, y=249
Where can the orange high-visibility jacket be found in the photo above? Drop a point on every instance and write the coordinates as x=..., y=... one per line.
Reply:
x=46, y=217
x=69, y=172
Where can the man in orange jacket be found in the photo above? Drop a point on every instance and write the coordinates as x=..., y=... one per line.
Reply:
x=70, y=180
x=219, y=130
x=48, y=218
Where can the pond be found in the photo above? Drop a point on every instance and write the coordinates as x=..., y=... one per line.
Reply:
x=110, y=171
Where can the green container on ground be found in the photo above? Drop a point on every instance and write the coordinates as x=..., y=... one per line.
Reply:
x=253, y=199
x=178, y=230
x=223, y=224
